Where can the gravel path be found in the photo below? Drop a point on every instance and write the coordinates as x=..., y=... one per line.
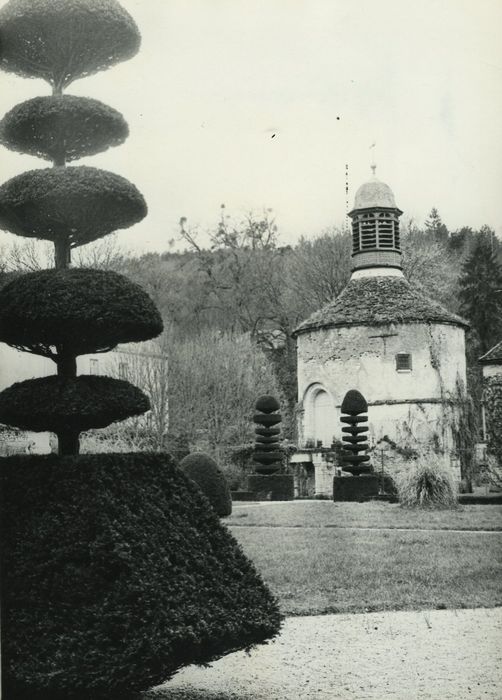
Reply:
x=438, y=655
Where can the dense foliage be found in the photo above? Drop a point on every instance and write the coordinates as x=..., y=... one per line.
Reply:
x=78, y=403
x=62, y=127
x=204, y=471
x=427, y=483
x=79, y=203
x=82, y=310
x=62, y=40
x=492, y=397
x=115, y=574
x=481, y=292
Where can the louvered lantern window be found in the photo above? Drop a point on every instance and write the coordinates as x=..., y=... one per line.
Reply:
x=403, y=362
x=368, y=232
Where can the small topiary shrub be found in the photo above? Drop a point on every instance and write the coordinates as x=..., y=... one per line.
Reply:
x=204, y=471
x=115, y=574
x=427, y=483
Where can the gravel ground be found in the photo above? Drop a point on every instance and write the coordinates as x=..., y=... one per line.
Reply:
x=439, y=654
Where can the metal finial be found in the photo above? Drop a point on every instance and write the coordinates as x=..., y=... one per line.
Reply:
x=373, y=169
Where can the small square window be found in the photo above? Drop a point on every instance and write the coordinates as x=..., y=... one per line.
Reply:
x=403, y=362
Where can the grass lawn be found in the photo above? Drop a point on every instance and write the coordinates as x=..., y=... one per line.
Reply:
x=372, y=514
x=323, y=569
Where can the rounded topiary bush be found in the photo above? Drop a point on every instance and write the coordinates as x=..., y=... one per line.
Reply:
x=210, y=479
x=427, y=483
x=354, y=403
x=80, y=202
x=62, y=40
x=78, y=403
x=84, y=310
x=65, y=127
x=115, y=575
x=267, y=404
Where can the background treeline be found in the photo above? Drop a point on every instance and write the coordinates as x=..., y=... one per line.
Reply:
x=232, y=298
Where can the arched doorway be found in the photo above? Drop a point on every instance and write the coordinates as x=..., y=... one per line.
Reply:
x=323, y=418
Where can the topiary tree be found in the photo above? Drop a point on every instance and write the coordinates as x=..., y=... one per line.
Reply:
x=87, y=606
x=63, y=313
x=202, y=469
x=267, y=482
x=355, y=434
x=267, y=451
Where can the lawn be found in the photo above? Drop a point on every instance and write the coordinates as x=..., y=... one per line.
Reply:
x=373, y=514
x=325, y=567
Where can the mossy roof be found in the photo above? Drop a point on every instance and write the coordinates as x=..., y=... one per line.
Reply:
x=373, y=301
x=493, y=356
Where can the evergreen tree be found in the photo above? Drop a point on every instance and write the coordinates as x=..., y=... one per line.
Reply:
x=435, y=227
x=481, y=293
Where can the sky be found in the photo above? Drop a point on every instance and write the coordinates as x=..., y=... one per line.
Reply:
x=260, y=104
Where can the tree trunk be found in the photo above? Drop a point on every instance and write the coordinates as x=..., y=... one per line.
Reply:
x=68, y=442
x=67, y=365
x=62, y=254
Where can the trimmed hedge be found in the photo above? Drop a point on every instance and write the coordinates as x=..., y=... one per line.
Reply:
x=274, y=487
x=365, y=487
x=63, y=40
x=62, y=126
x=77, y=202
x=116, y=574
x=83, y=310
x=81, y=403
x=204, y=471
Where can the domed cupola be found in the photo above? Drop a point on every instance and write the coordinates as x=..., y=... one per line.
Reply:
x=375, y=228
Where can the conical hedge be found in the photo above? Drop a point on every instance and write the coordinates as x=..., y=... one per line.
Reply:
x=116, y=574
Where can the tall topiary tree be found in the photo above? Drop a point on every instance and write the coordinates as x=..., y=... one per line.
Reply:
x=82, y=597
x=63, y=313
x=355, y=433
x=267, y=450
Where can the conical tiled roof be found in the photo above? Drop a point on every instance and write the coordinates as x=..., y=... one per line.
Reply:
x=379, y=300
x=493, y=356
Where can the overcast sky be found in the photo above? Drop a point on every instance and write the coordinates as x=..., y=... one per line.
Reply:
x=261, y=103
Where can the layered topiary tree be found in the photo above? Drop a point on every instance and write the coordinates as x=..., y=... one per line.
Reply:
x=267, y=482
x=355, y=433
x=63, y=313
x=267, y=450
x=88, y=605
x=202, y=469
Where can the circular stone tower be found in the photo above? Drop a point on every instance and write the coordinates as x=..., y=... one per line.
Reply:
x=386, y=339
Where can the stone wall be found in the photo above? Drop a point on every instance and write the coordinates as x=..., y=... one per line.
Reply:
x=403, y=405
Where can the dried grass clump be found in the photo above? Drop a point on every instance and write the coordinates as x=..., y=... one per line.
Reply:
x=427, y=483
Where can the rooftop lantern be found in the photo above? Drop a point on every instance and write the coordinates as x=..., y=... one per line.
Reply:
x=375, y=227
